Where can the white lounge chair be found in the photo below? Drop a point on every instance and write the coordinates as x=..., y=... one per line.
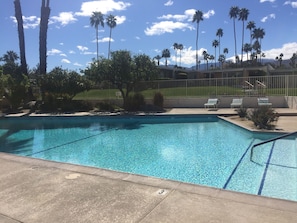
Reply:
x=264, y=102
x=236, y=103
x=212, y=103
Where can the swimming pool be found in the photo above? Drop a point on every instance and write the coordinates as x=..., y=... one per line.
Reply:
x=199, y=149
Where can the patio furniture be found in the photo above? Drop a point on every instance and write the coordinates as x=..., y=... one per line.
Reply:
x=211, y=103
x=236, y=103
x=264, y=102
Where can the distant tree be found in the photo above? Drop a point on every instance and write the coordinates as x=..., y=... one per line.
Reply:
x=19, y=18
x=175, y=47
x=247, y=48
x=243, y=16
x=166, y=54
x=45, y=12
x=111, y=22
x=180, y=47
x=222, y=59
x=225, y=51
x=197, y=17
x=280, y=59
x=251, y=25
x=126, y=71
x=219, y=34
x=293, y=60
x=10, y=65
x=205, y=57
x=95, y=20
x=258, y=34
x=215, y=44
x=158, y=58
x=233, y=13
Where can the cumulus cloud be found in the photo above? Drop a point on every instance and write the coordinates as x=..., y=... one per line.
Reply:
x=82, y=48
x=287, y=49
x=30, y=22
x=166, y=27
x=77, y=64
x=271, y=16
x=293, y=4
x=169, y=3
x=208, y=14
x=65, y=61
x=64, y=18
x=104, y=6
x=54, y=52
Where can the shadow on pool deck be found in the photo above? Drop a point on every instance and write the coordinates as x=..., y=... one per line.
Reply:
x=34, y=190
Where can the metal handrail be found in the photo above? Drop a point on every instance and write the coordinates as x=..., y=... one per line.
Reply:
x=269, y=140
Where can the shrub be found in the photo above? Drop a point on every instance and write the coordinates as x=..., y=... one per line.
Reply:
x=264, y=117
x=135, y=102
x=106, y=106
x=242, y=112
x=158, y=99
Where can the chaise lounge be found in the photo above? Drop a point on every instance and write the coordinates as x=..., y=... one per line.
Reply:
x=212, y=103
x=264, y=102
x=236, y=103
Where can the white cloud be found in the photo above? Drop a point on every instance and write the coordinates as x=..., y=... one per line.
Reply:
x=293, y=4
x=287, y=49
x=261, y=1
x=104, y=40
x=103, y=6
x=65, y=61
x=176, y=17
x=120, y=19
x=77, y=64
x=169, y=3
x=63, y=55
x=54, y=52
x=30, y=22
x=208, y=14
x=137, y=37
x=71, y=51
x=82, y=48
x=64, y=18
x=166, y=27
x=271, y=16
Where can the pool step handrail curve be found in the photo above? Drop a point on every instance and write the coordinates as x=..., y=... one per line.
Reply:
x=267, y=141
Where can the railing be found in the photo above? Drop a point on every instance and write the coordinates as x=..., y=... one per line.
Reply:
x=267, y=141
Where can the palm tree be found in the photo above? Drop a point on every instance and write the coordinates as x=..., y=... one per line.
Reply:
x=205, y=57
x=19, y=18
x=219, y=34
x=175, y=47
x=251, y=25
x=243, y=16
x=111, y=22
x=166, y=54
x=247, y=48
x=225, y=51
x=215, y=44
x=10, y=57
x=96, y=20
x=180, y=47
x=45, y=12
x=233, y=13
x=258, y=34
x=197, y=17
x=158, y=57
x=280, y=59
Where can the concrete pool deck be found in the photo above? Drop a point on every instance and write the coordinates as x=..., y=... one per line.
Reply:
x=33, y=190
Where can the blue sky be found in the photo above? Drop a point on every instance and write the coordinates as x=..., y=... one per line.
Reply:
x=145, y=26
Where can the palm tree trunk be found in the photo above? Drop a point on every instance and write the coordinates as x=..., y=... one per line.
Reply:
x=197, y=45
x=234, y=39
x=45, y=12
x=242, y=40
x=109, y=43
x=19, y=18
x=97, y=43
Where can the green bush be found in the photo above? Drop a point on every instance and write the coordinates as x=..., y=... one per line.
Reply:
x=135, y=102
x=264, y=117
x=242, y=112
x=158, y=99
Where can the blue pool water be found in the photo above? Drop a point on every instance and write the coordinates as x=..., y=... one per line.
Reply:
x=200, y=149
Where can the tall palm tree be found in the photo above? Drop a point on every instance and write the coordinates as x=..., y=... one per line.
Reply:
x=251, y=25
x=205, y=57
x=243, y=16
x=258, y=34
x=215, y=44
x=180, y=47
x=175, y=47
x=19, y=18
x=233, y=13
x=111, y=22
x=45, y=12
x=197, y=17
x=225, y=51
x=158, y=57
x=247, y=48
x=96, y=20
x=219, y=34
x=166, y=54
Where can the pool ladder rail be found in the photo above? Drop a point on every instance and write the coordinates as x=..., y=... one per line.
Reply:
x=267, y=141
